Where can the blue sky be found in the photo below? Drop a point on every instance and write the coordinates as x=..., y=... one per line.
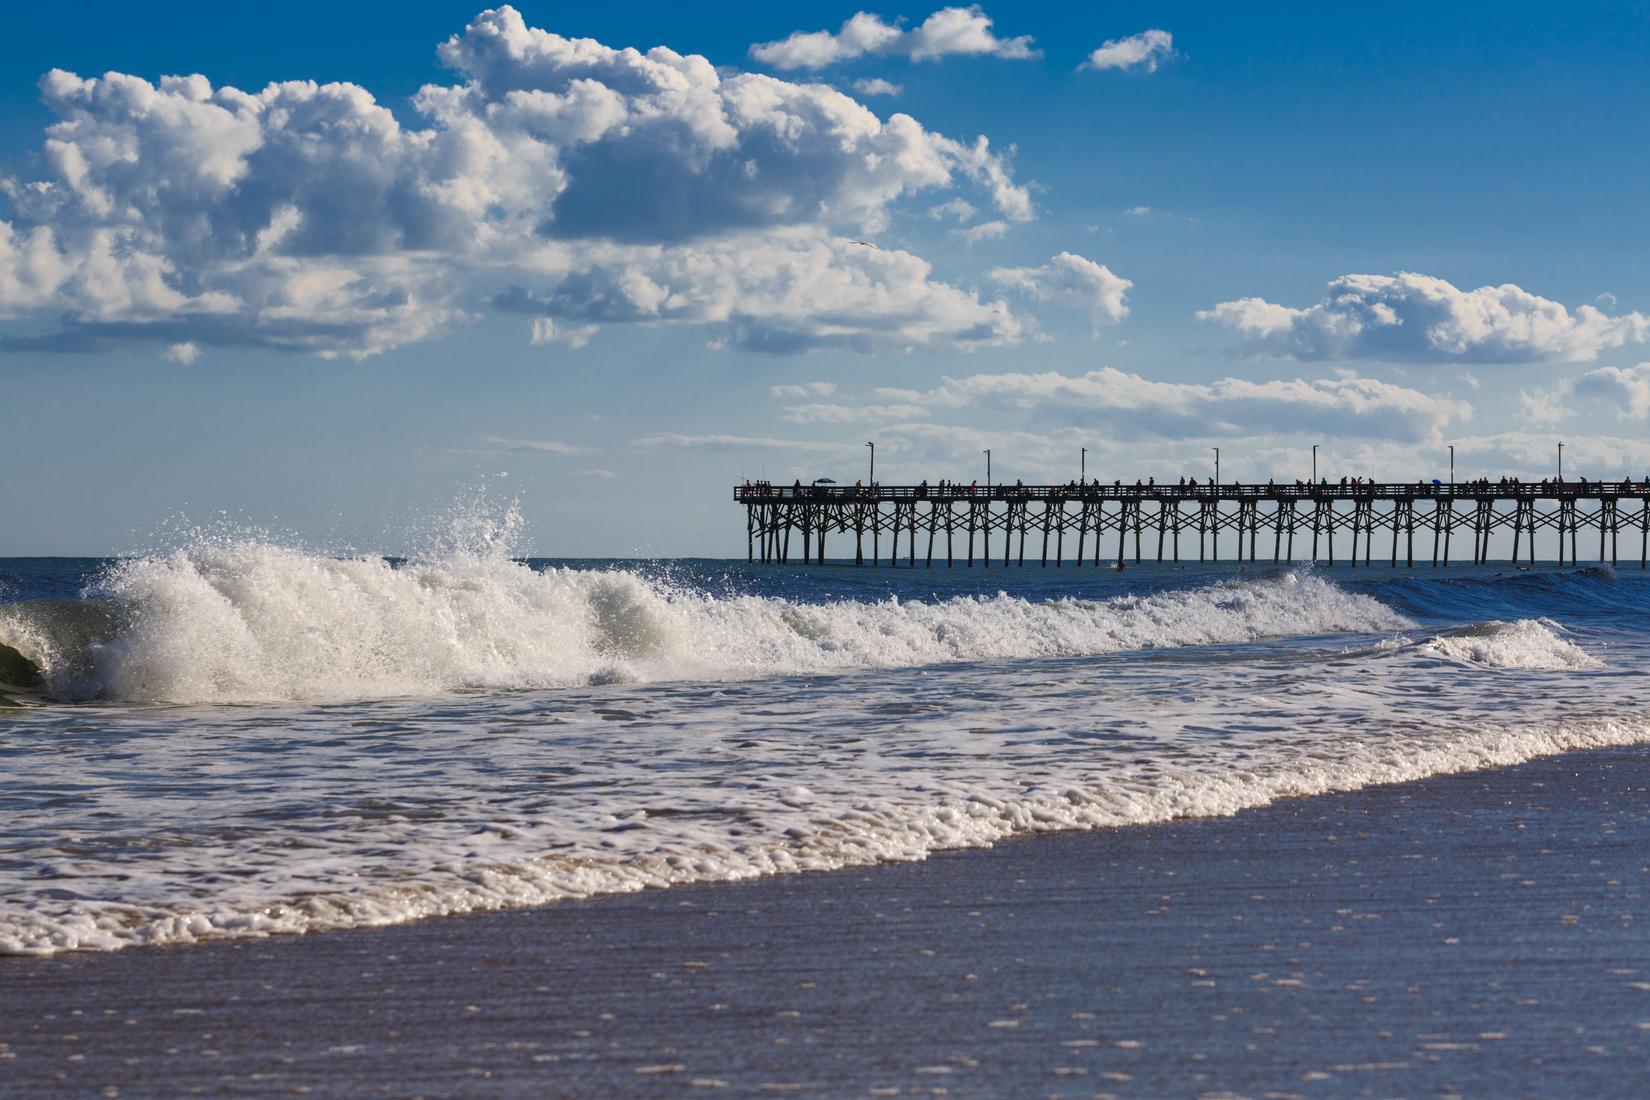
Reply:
x=626, y=280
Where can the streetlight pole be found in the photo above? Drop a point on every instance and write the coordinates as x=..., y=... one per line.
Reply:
x=1217, y=466
x=1083, y=466
x=1314, y=463
x=1452, y=464
x=873, y=447
x=988, y=469
x=1561, y=462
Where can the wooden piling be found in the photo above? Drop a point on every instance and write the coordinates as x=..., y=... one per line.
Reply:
x=810, y=514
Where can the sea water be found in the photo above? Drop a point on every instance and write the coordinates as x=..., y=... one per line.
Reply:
x=236, y=737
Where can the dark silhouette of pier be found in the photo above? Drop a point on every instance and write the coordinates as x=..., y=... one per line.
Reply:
x=1146, y=521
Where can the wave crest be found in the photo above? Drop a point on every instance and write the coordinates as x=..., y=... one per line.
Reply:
x=1525, y=644
x=255, y=622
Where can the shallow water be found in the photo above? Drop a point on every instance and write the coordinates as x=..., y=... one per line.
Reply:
x=238, y=738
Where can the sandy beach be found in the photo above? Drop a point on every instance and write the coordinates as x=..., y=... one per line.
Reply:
x=1468, y=934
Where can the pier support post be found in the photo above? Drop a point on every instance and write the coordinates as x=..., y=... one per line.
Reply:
x=810, y=513
x=1357, y=521
x=876, y=527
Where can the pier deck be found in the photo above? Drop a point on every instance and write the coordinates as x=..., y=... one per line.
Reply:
x=977, y=523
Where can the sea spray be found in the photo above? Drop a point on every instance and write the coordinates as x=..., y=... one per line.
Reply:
x=249, y=621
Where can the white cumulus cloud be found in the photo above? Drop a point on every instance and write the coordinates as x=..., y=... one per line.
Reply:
x=1419, y=318
x=778, y=294
x=1146, y=50
x=606, y=185
x=1071, y=280
x=1627, y=387
x=948, y=32
x=985, y=231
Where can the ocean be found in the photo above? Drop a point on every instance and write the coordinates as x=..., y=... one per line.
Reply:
x=237, y=738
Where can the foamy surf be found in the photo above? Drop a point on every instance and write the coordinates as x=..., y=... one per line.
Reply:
x=1524, y=644
x=349, y=759
x=496, y=871
x=253, y=622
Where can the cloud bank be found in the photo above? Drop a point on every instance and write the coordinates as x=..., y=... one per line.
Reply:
x=1129, y=406
x=588, y=185
x=1418, y=318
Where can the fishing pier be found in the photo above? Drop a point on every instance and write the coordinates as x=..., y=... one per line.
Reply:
x=1120, y=523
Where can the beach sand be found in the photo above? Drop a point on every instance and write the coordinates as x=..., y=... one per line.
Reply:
x=1476, y=934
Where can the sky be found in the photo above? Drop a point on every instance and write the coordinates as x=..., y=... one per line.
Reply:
x=333, y=272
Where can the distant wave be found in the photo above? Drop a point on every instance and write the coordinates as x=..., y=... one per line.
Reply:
x=253, y=622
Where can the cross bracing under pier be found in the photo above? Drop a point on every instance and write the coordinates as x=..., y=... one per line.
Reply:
x=1357, y=524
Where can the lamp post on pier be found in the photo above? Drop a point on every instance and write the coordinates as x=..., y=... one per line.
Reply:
x=1082, y=466
x=1314, y=463
x=1561, y=462
x=873, y=477
x=988, y=469
x=1217, y=466
x=1452, y=464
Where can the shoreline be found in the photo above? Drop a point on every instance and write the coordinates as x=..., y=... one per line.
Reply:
x=1471, y=928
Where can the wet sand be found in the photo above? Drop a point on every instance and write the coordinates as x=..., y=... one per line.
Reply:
x=1476, y=934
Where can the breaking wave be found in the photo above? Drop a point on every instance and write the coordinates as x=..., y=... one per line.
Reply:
x=1524, y=644
x=247, y=621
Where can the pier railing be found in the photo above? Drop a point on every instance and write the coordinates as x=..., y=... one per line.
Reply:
x=1386, y=490
x=1004, y=514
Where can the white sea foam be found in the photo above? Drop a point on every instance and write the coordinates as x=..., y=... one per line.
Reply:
x=1524, y=644
x=412, y=795
x=249, y=621
x=492, y=871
